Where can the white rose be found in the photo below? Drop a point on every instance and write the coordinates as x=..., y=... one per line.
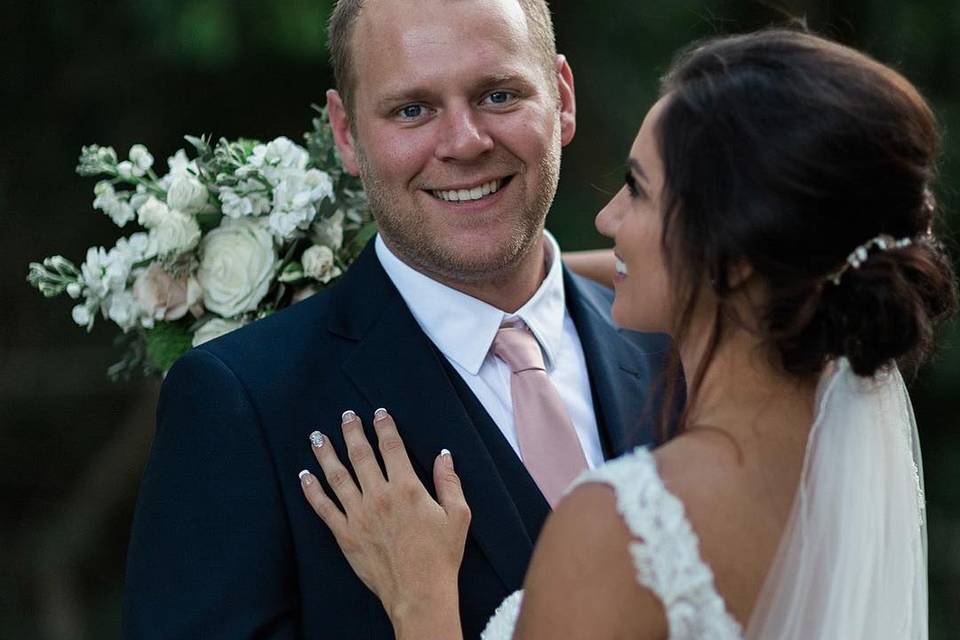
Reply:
x=237, y=266
x=329, y=231
x=318, y=264
x=178, y=233
x=152, y=213
x=186, y=194
x=214, y=329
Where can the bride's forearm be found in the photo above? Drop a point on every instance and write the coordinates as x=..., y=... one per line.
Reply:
x=599, y=265
x=428, y=618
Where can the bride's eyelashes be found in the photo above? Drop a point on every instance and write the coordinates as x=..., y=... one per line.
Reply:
x=635, y=190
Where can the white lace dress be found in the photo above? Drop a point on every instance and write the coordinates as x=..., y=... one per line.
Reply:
x=665, y=555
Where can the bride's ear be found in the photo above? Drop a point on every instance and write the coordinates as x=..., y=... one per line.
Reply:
x=738, y=272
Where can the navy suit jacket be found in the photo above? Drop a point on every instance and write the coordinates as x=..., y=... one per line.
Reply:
x=223, y=543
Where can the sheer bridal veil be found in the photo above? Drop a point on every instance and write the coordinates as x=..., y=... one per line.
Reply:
x=852, y=562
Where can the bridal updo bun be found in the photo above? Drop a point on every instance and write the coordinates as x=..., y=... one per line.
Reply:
x=885, y=310
x=786, y=152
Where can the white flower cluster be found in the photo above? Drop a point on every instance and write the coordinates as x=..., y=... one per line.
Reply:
x=225, y=238
x=104, y=283
x=275, y=180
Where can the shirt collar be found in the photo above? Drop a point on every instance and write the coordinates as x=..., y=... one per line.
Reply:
x=463, y=327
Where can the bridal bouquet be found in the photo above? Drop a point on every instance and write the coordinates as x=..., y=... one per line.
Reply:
x=223, y=239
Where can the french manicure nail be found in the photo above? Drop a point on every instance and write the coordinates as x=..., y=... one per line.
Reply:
x=305, y=477
x=447, y=457
x=347, y=416
x=379, y=414
x=316, y=439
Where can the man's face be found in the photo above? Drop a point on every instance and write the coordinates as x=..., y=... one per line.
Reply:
x=458, y=127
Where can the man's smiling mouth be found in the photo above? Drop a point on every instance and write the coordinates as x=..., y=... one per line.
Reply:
x=468, y=194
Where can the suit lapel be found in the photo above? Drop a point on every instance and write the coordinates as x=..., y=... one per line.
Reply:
x=394, y=365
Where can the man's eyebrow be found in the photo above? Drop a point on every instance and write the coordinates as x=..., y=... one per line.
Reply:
x=415, y=94
x=635, y=165
x=390, y=100
x=497, y=79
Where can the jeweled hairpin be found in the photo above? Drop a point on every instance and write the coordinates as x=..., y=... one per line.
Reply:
x=858, y=256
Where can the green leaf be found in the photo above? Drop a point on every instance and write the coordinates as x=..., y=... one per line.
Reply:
x=362, y=238
x=166, y=342
x=208, y=221
x=291, y=273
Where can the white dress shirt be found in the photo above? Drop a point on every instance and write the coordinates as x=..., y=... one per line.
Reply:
x=463, y=329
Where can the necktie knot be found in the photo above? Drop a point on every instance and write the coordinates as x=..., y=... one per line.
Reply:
x=517, y=346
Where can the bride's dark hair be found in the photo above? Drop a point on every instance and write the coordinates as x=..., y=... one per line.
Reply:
x=788, y=151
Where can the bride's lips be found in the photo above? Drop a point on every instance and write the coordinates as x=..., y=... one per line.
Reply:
x=621, y=269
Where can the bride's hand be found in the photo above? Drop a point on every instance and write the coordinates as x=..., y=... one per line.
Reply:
x=402, y=544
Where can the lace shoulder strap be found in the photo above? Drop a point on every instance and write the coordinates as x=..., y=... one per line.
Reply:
x=666, y=554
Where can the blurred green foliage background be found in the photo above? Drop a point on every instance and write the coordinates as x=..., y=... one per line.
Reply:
x=119, y=72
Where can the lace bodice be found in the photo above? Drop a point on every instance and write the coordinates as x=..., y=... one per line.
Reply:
x=665, y=555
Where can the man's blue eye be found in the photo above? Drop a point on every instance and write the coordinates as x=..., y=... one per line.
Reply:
x=412, y=111
x=499, y=97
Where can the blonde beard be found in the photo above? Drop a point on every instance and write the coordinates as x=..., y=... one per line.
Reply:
x=403, y=231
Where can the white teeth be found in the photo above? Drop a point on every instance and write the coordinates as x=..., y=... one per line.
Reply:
x=462, y=195
x=621, y=267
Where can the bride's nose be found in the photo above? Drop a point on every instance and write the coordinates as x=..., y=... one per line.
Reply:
x=608, y=220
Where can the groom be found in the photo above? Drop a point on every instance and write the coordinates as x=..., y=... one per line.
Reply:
x=454, y=114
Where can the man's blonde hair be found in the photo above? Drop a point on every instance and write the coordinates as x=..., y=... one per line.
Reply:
x=343, y=19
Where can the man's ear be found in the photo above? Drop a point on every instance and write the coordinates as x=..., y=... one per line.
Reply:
x=568, y=100
x=342, y=134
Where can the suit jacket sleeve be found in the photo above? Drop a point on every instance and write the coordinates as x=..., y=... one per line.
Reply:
x=210, y=551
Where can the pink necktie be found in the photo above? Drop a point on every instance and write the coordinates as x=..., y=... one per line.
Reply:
x=548, y=441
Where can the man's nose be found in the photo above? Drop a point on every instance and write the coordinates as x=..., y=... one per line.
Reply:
x=464, y=135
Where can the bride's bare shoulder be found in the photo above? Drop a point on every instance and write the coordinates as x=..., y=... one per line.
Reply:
x=736, y=500
x=702, y=465
x=583, y=557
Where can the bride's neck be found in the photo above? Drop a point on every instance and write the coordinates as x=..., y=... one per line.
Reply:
x=741, y=388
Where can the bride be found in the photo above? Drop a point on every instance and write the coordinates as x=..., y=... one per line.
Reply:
x=777, y=219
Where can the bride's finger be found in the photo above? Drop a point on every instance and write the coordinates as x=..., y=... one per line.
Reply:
x=394, y=453
x=322, y=505
x=336, y=474
x=449, y=490
x=365, y=464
